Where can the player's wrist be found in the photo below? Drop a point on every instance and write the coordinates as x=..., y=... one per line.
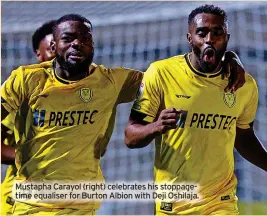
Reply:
x=156, y=129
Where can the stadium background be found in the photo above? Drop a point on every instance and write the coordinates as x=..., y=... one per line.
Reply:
x=134, y=34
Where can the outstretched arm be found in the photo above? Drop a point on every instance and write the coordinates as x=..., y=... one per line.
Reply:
x=249, y=147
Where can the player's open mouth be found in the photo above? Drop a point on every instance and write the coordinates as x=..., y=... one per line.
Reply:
x=209, y=55
x=76, y=56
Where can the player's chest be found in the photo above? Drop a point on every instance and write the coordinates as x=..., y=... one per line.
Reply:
x=202, y=106
x=73, y=97
x=72, y=105
x=202, y=98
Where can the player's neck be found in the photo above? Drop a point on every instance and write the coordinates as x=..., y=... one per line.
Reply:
x=195, y=63
x=67, y=75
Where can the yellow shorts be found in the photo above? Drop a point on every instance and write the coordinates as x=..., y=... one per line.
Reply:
x=25, y=209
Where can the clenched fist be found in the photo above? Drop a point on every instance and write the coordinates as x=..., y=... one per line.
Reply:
x=167, y=120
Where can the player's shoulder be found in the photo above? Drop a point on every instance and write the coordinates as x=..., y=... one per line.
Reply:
x=118, y=69
x=34, y=69
x=250, y=82
x=118, y=72
x=167, y=66
x=179, y=59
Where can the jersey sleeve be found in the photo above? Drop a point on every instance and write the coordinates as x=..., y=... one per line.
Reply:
x=149, y=95
x=127, y=82
x=9, y=121
x=12, y=91
x=247, y=117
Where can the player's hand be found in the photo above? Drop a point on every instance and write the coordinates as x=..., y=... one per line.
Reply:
x=167, y=120
x=234, y=71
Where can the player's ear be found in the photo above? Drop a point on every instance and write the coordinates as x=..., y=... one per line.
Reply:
x=38, y=55
x=53, y=46
x=189, y=38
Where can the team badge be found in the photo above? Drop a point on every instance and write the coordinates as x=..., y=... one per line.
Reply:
x=229, y=99
x=86, y=94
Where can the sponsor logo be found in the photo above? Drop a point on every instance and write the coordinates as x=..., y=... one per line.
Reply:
x=10, y=200
x=225, y=197
x=39, y=118
x=212, y=121
x=86, y=94
x=43, y=118
x=166, y=206
x=229, y=99
x=182, y=96
x=181, y=119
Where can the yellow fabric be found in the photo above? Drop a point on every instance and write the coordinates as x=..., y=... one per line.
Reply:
x=62, y=128
x=212, y=205
x=6, y=186
x=6, y=190
x=24, y=209
x=9, y=123
x=200, y=149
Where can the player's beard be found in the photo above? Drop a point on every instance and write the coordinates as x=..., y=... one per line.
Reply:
x=75, y=67
x=205, y=66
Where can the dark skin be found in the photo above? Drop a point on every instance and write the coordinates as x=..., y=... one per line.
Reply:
x=211, y=31
x=208, y=33
x=43, y=53
x=74, y=49
x=249, y=147
x=207, y=30
x=73, y=37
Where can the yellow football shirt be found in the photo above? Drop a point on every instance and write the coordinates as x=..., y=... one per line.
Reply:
x=6, y=190
x=200, y=149
x=7, y=184
x=62, y=128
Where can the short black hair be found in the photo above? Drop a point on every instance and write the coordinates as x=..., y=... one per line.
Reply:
x=40, y=34
x=71, y=17
x=209, y=9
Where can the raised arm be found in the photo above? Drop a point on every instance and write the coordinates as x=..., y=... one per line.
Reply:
x=234, y=71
